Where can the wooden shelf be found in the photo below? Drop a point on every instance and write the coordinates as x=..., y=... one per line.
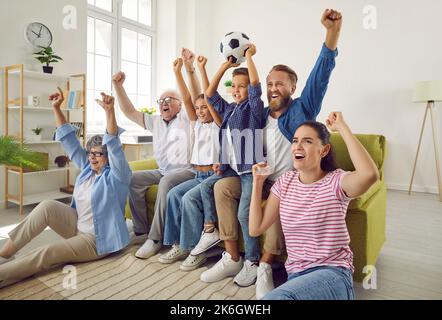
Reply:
x=40, y=75
x=41, y=142
x=39, y=197
x=49, y=109
x=50, y=169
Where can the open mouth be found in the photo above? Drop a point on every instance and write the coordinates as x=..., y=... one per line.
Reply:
x=299, y=156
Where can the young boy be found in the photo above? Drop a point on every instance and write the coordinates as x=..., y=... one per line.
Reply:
x=241, y=119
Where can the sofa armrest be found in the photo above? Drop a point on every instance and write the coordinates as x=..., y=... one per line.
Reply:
x=146, y=164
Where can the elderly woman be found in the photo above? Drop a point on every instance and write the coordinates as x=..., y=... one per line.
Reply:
x=93, y=226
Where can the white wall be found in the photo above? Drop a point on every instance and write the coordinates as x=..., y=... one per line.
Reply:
x=375, y=72
x=69, y=44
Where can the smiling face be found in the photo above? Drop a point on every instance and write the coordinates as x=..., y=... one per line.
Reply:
x=308, y=149
x=97, y=158
x=279, y=90
x=202, y=111
x=168, y=110
x=240, y=90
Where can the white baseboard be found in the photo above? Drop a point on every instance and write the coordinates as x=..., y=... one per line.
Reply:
x=416, y=188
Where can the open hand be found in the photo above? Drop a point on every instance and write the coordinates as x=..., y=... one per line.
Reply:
x=229, y=64
x=118, y=78
x=187, y=56
x=107, y=102
x=332, y=19
x=57, y=98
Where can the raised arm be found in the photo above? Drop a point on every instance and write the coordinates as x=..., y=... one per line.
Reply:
x=202, y=61
x=188, y=59
x=213, y=85
x=261, y=219
x=65, y=133
x=117, y=160
x=57, y=99
x=366, y=173
x=188, y=104
x=332, y=21
x=253, y=73
x=126, y=105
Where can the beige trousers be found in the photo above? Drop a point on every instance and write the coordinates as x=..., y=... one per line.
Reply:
x=227, y=194
x=76, y=247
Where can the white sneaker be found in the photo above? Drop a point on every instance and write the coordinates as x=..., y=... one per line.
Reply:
x=247, y=276
x=264, y=280
x=193, y=262
x=148, y=249
x=4, y=260
x=174, y=254
x=224, y=268
x=207, y=241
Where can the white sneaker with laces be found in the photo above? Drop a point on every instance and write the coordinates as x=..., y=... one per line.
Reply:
x=148, y=249
x=247, y=276
x=264, y=280
x=4, y=260
x=224, y=268
x=207, y=241
x=174, y=254
x=193, y=262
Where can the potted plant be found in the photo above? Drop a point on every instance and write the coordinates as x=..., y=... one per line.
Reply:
x=228, y=85
x=37, y=131
x=13, y=153
x=47, y=56
x=149, y=111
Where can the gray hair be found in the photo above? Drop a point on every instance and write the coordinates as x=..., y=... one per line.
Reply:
x=96, y=141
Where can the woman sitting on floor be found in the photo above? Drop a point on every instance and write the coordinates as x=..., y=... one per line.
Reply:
x=311, y=202
x=93, y=226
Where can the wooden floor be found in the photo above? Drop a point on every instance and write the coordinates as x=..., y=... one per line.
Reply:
x=409, y=267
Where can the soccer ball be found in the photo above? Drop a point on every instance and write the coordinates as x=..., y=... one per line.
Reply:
x=234, y=46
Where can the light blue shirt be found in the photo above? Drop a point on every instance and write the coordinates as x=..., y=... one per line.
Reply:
x=109, y=191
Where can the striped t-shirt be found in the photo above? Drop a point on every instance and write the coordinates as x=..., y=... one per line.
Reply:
x=313, y=221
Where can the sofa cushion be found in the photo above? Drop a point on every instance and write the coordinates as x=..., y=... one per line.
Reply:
x=360, y=201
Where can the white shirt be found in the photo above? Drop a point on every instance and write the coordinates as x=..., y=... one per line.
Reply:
x=206, y=145
x=277, y=147
x=172, y=142
x=82, y=196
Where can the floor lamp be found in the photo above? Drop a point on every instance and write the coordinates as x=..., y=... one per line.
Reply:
x=429, y=92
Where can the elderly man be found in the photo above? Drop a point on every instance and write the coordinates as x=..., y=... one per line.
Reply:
x=172, y=136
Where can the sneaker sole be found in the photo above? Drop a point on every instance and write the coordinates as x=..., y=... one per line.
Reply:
x=190, y=268
x=195, y=253
x=242, y=285
x=170, y=261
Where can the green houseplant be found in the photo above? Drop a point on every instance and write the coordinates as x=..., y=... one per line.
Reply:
x=37, y=132
x=47, y=56
x=228, y=85
x=12, y=153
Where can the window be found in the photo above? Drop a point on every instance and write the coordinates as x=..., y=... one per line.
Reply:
x=120, y=36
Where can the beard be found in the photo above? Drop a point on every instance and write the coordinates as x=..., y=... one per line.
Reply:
x=281, y=103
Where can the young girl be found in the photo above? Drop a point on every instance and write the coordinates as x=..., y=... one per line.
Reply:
x=311, y=202
x=185, y=217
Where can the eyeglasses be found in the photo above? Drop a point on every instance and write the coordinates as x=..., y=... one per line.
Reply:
x=96, y=154
x=166, y=100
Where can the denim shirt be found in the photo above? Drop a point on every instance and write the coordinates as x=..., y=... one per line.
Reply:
x=247, y=118
x=308, y=105
x=109, y=191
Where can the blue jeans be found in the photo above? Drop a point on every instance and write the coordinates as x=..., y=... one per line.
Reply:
x=251, y=245
x=184, y=215
x=319, y=283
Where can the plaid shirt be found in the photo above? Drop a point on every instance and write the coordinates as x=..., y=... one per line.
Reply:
x=245, y=119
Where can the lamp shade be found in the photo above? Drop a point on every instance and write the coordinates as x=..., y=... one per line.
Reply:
x=428, y=91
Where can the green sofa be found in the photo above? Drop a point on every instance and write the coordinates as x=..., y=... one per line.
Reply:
x=365, y=216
